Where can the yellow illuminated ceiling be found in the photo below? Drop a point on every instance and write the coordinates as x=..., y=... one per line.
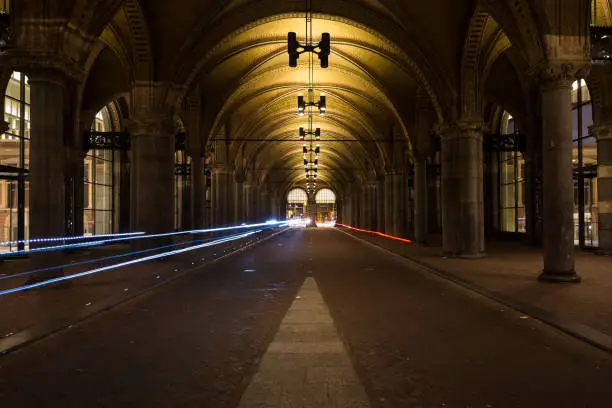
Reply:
x=368, y=89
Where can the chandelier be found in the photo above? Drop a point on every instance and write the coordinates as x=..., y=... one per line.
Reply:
x=310, y=135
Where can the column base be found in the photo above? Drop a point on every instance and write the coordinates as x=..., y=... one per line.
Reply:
x=603, y=252
x=559, y=277
x=479, y=255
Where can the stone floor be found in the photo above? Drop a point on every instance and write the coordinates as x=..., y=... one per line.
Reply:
x=509, y=272
x=27, y=315
x=308, y=318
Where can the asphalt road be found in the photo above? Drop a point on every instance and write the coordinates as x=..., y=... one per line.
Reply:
x=414, y=339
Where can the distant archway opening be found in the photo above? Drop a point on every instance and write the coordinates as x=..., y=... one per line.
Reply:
x=326, y=206
x=297, y=201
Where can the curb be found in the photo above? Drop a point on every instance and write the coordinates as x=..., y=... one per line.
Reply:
x=577, y=330
x=47, y=329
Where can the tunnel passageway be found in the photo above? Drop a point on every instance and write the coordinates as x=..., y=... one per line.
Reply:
x=311, y=317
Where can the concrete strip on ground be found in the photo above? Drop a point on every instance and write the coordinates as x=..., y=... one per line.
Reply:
x=306, y=365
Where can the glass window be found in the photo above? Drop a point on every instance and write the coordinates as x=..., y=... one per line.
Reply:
x=584, y=159
x=297, y=201
x=297, y=195
x=99, y=170
x=326, y=206
x=15, y=153
x=511, y=183
x=325, y=196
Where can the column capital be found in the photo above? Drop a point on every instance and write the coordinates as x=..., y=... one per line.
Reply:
x=601, y=131
x=561, y=73
x=150, y=125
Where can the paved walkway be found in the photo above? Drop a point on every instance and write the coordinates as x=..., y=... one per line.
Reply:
x=306, y=365
x=509, y=273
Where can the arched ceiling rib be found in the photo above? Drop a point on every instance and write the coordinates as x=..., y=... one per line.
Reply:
x=251, y=87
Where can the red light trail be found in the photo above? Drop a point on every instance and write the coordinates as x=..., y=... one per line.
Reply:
x=375, y=233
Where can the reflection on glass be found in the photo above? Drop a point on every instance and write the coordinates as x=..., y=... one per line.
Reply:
x=99, y=183
x=511, y=184
x=584, y=159
x=15, y=153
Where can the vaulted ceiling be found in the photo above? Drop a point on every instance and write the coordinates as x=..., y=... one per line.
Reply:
x=232, y=56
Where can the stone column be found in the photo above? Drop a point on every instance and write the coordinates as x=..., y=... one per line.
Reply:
x=399, y=204
x=558, y=182
x=249, y=202
x=187, y=203
x=380, y=204
x=603, y=133
x=220, y=206
x=152, y=168
x=47, y=163
x=420, y=199
x=239, y=207
x=462, y=190
x=262, y=212
x=471, y=198
x=198, y=190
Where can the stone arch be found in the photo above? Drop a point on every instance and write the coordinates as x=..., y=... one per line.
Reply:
x=470, y=69
x=141, y=40
x=519, y=22
x=438, y=89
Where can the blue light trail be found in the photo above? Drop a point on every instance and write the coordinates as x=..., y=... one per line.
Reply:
x=131, y=238
x=126, y=263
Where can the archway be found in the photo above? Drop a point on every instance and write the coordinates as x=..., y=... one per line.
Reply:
x=326, y=207
x=297, y=201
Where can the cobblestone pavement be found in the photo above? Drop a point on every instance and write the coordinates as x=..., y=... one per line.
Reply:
x=413, y=340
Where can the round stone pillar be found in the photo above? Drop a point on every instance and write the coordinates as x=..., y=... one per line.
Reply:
x=219, y=191
x=471, y=194
x=152, y=168
x=462, y=190
x=420, y=199
x=198, y=190
x=603, y=134
x=48, y=165
x=558, y=181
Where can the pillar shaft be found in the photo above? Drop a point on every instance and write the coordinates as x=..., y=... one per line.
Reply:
x=152, y=175
x=47, y=160
x=239, y=207
x=219, y=200
x=198, y=191
x=420, y=199
x=462, y=190
x=380, y=205
x=558, y=183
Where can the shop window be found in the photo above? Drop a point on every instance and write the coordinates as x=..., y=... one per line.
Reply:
x=511, y=183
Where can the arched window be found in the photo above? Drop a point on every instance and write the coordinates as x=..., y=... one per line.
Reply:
x=511, y=183
x=584, y=159
x=326, y=207
x=297, y=200
x=99, y=178
x=296, y=196
x=15, y=161
x=325, y=196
